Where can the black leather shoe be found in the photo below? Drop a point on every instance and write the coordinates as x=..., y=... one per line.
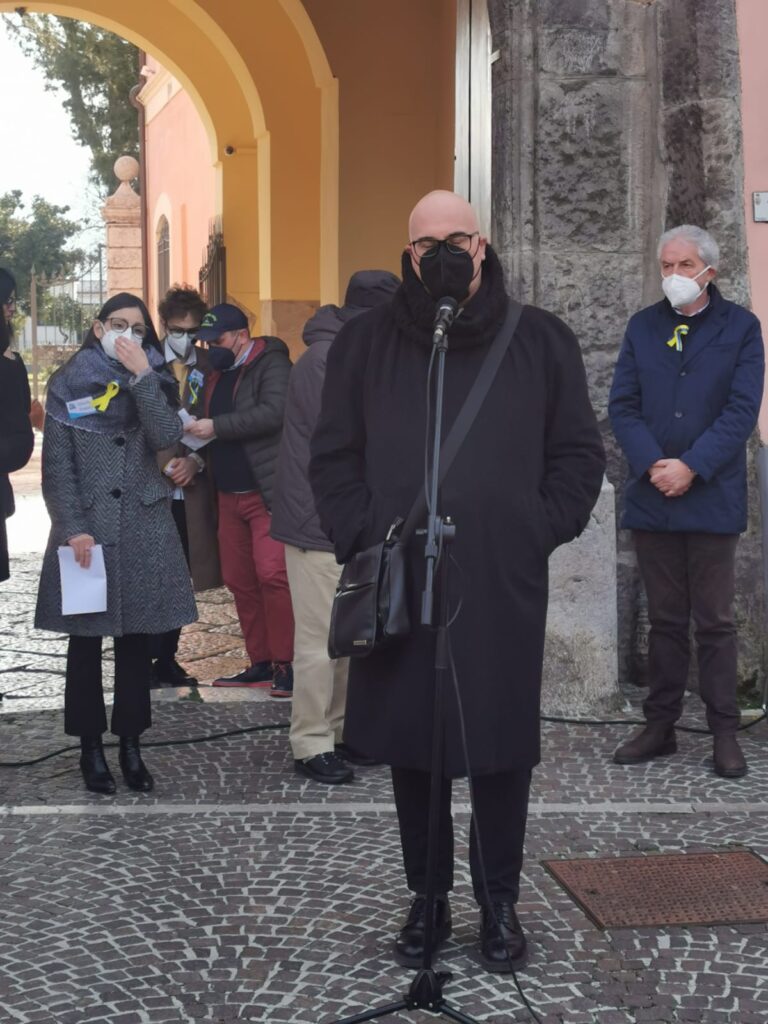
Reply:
x=133, y=768
x=93, y=765
x=170, y=673
x=354, y=757
x=651, y=742
x=409, y=944
x=502, y=943
x=729, y=759
x=326, y=768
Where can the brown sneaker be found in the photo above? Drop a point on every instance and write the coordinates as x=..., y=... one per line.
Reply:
x=729, y=759
x=652, y=741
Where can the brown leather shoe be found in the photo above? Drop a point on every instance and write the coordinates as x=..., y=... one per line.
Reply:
x=729, y=760
x=652, y=741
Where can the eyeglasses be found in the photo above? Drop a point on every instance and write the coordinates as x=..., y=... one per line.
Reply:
x=177, y=333
x=458, y=242
x=139, y=331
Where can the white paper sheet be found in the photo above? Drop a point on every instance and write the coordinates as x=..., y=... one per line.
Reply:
x=192, y=442
x=83, y=591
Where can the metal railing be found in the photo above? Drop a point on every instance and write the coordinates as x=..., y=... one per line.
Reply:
x=62, y=310
x=213, y=272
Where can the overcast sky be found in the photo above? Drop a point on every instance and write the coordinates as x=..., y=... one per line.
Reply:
x=40, y=157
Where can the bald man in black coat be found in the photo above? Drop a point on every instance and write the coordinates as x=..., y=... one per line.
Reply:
x=524, y=481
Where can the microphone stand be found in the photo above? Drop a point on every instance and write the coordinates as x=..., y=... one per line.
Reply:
x=426, y=989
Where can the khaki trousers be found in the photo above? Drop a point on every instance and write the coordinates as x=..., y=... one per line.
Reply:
x=319, y=684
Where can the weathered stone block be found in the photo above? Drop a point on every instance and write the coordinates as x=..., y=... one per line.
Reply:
x=590, y=37
x=706, y=182
x=124, y=281
x=581, y=165
x=121, y=237
x=595, y=296
x=123, y=259
x=580, y=660
x=698, y=41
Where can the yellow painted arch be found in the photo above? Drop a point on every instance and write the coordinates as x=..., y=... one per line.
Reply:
x=261, y=83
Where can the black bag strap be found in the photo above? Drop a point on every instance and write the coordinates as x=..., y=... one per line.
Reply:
x=469, y=410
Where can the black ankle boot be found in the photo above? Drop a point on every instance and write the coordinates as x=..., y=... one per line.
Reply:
x=96, y=773
x=133, y=768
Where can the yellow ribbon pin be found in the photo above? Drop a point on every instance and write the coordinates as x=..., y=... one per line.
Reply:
x=676, y=341
x=101, y=402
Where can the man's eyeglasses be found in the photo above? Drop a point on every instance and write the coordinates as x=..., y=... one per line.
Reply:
x=456, y=243
x=121, y=326
x=177, y=333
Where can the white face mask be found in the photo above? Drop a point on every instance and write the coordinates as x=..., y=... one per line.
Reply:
x=181, y=345
x=109, y=338
x=682, y=291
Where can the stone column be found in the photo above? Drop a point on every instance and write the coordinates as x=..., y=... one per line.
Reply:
x=613, y=120
x=122, y=216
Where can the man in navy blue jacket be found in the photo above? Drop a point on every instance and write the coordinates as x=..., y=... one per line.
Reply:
x=685, y=398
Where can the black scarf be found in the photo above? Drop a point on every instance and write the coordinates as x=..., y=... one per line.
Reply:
x=477, y=323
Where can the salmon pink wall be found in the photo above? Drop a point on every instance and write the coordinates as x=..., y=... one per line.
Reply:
x=752, y=18
x=181, y=184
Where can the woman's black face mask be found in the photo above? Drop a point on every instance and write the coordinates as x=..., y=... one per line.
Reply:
x=221, y=358
x=447, y=274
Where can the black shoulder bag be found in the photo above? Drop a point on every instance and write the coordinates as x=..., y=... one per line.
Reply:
x=370, y=606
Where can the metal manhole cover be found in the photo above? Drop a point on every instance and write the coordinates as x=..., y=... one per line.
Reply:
x=658, y=890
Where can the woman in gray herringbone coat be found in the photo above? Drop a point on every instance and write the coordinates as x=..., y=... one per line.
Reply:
x=101, y=485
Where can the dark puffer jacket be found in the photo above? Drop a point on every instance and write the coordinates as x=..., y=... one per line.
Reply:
x=257, y=418
x=294, y=519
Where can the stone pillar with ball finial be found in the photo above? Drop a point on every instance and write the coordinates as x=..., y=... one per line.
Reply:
x=122, y=216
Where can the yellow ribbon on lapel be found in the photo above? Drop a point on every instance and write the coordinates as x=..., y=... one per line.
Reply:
x=676, y=341
x=101, y=402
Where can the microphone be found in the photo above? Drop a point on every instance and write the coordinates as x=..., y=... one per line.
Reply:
x=444, y=317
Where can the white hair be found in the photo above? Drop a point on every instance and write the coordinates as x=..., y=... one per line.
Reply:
x=706, y=246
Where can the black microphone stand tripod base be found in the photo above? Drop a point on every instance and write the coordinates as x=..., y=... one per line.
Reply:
x=426, y=989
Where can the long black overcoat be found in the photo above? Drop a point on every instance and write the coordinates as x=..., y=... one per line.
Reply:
x=524, y=481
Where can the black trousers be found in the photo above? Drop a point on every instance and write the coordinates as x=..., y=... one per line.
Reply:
x=497, y=828
x=690, y=574
x=84, y=712
x=163, y=646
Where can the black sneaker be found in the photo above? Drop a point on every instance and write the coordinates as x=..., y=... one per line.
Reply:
x=282, y=679
x=259, y=674
x=170, y=673
x=327, y=767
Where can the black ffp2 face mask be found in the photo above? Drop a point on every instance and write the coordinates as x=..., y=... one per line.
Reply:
x=220, y=358
x=447, y=274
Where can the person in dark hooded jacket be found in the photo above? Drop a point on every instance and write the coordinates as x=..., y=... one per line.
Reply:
x=16, y=438
x=320, y=684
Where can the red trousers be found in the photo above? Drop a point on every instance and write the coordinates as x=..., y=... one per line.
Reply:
x=253, y=569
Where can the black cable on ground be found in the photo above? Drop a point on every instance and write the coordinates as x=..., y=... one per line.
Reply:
x=284, y=725
x=641, y=721
x=154, y=743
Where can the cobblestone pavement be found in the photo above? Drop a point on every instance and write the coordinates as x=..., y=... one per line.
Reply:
x=239, y=891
